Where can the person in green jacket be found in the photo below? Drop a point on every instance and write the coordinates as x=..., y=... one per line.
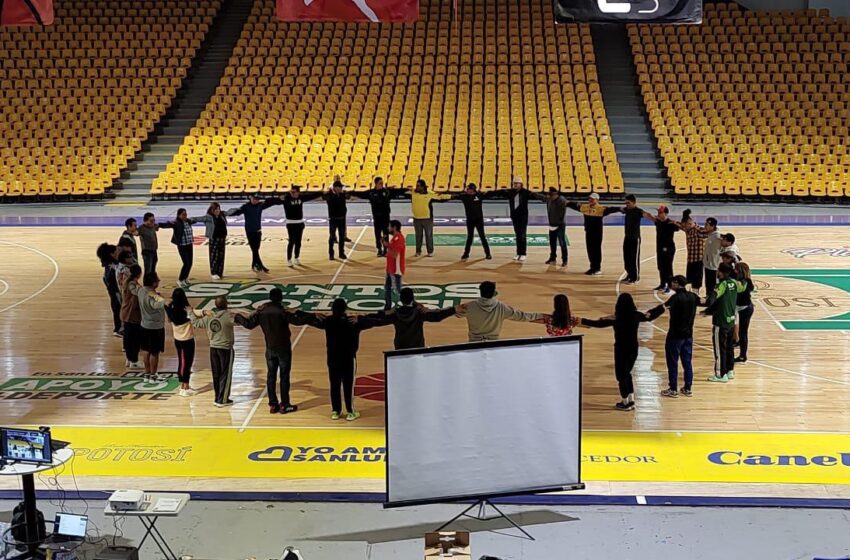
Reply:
x=721, y=305
x=486, y=314
x=218, y=324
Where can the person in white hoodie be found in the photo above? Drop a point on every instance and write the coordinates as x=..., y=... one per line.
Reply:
x=486, y=314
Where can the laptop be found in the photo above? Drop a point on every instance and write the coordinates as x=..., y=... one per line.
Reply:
x=69, y=527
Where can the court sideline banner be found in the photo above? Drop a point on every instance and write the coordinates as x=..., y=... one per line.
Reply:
x=348, y=10
x=635, y=11
x=26, y=12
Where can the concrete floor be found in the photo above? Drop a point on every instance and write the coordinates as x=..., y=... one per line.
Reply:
x=326, y=531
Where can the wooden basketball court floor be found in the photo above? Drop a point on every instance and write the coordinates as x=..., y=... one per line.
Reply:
x=783, y=419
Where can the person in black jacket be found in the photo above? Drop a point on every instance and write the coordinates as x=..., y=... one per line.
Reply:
x=184, y=239
x=342, y=337
x=593, y=212
x=274, y=319
x=293, y=210
x=631, y=239
x=108, y=256
x=473, y=208
x=518, y=197
x=409, y=320
x=379, y=198
x=665, y=246
x=744, y=305
x=337, y=210
x=625, y=320
x=679, y=343
x=253, y=212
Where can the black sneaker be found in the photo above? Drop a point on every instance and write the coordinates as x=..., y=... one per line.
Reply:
x=625, y=406
x=659, y=287
x=589, y=272
x=564, y=264
x=551, y=260
x=380, y=253
x=286, y=409
x=331, y=258
x=347, y=239
x=740, y=360
x=672, y=393
x=343, y=257
x=274, y=408
x=264, y=269
x=687, y=393
x=464, y=257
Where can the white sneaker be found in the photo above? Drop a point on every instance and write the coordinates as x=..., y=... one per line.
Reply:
x=297, y=262
x=187, y=392
x=521, y=258
x=126, y=363
x=516, y=257
x=216, y=277
x=290, y=264
x=135, y=365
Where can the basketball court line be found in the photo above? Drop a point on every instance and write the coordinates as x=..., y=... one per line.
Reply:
x=43, y=288
x=5, y=287
x=302, y=331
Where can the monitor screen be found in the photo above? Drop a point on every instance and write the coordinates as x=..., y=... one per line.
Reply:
x=70, y=525
x=26, y=446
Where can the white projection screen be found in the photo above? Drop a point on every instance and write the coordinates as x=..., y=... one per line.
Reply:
x=483, y=419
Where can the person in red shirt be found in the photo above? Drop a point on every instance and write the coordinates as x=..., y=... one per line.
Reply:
x=394, y=248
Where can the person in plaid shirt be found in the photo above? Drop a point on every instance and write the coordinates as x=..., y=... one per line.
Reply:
x=695, y=239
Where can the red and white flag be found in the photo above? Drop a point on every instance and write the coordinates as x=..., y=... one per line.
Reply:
x=26, y=12
x=348, y=10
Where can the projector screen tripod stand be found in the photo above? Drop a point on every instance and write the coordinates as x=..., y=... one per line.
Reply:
x=480, y=515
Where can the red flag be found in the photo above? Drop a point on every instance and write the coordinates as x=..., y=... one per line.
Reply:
x=348, y=10
x=26, y=12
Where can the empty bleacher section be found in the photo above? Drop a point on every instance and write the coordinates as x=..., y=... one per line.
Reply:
x=80, y=97
x=750, y=104
x=500, y=91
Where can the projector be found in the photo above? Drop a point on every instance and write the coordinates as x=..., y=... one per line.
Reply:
x=126, y=500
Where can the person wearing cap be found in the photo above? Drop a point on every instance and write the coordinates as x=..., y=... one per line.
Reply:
x=253, y=212
x=727, y=244
x=473, y=208
x=336, y=199
x=517, y=197
x=556, y=210
x=665, y=246
x=679, y=344
x=379, y=197
x=631, y=239
x=421, y=200
x=593, y=213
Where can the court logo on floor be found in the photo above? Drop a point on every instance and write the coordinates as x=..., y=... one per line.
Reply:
x=806, y=299
x=86, y=386
x=319, y=297
x=324, y=454
x=370, y=387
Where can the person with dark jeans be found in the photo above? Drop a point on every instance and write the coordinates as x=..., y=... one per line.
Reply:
x=593, y=212
x=556, y=210
x=337, y=210
x=131, y=231
x=625, y=321
x=219, y=326
x=215, y=223
x=183, y=238
x=679, y=344
x=395, y=250
x=150, y=243
x=409, y=320
x=253, y=212
x=342, y=336
x=274, y=320
x=665, y=246
x=631, y=239
x=131, y=318
x=293, y=210
x=473, y=208
x=184, y=338
x=517, y=197
x=745, y=308
x=108, y=255
x=379, y=198
x=721, y=305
